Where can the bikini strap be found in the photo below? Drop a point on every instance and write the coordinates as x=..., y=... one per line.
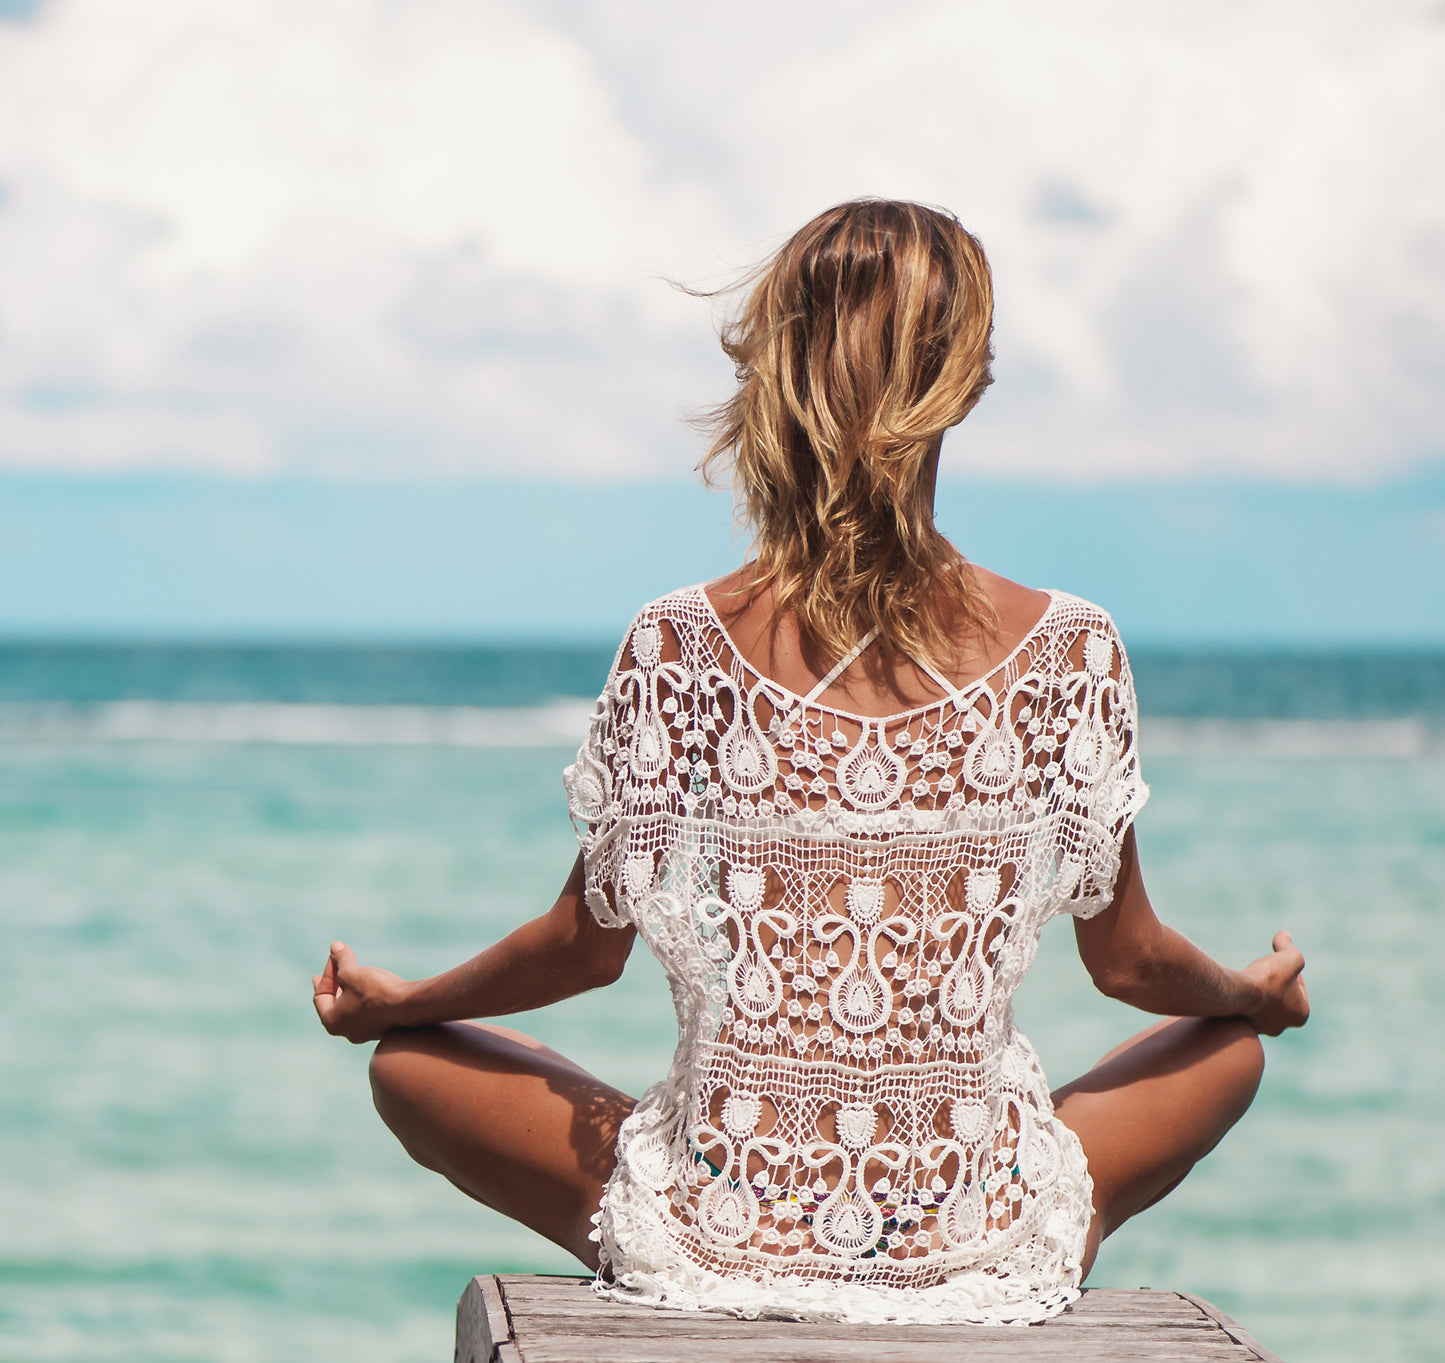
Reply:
x=842, y=665
x=949, y=689
x=848, y=659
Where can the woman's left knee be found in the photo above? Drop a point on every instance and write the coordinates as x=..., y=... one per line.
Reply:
x=393, y=1072
x=399, y=1091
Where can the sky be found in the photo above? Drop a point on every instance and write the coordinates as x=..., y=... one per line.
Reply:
x=279, y=268
x=1181, y=562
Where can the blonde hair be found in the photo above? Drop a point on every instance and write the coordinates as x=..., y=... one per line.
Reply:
x=863, y=339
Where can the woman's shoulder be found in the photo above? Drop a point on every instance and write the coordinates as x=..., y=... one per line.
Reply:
x=697, y=607
x=701, y=609
x=1024, y=613
x=657, y=631
x=681, y=608
x=1017, y=609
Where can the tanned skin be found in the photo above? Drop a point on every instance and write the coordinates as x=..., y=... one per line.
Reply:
x=522, y=1129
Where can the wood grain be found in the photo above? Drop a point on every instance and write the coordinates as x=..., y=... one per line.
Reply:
x=517, y=1318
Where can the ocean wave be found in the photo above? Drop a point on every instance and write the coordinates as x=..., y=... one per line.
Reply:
x=558, y=724
x=1289, y=738
x=563, y=723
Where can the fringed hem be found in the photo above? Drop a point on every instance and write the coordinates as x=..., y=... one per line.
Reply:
x=967, y=1299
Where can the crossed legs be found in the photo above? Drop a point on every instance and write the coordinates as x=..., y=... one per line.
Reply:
x=509, y=1121
x=522, y=1129
x=1154, y=1106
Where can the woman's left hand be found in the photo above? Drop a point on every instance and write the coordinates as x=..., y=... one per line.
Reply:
x=359, y=1002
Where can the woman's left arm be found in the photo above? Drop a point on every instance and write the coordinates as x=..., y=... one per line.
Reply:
x=563, y=952
x=1133, y=957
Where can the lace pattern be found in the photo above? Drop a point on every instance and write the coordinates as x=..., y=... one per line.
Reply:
x=852, y=1127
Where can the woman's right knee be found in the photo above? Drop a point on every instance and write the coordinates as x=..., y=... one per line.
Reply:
x=1235, y=1065
x=1246, y=1055
x=395, y=1072
x=1235, y=1042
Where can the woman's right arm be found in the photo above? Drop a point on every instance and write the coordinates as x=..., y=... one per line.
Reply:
x=561, y=953
x=1133, y=957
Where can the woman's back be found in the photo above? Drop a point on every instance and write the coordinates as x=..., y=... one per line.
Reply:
x=845, y=885
x=883, y=682
x=844, y=904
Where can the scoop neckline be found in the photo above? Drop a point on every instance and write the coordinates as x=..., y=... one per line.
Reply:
x=953, y=696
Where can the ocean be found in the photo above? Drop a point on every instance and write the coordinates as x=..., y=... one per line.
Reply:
x=190, y=1169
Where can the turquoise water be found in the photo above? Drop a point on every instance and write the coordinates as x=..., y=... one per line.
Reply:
x=192, y=1169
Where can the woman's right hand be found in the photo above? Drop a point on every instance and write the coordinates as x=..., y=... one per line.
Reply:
x=1281, y=976
x=359, y=1002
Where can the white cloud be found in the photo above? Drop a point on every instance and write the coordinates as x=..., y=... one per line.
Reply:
x=386, y=236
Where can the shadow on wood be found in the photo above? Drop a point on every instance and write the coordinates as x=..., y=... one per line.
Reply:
x=517, y=1318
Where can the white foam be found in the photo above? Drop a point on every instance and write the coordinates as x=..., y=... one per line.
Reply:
x=563, y=723
x=1288, y=738
x=560, y=723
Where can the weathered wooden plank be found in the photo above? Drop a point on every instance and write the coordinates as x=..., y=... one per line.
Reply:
x=530, y=1319
x=1235, y=1332
x=1035, y=1342
x=565, y=1317
x=567, y=1305
x=567, y=1293
x=1131, y=1301
x=562, y=1294
x=482, y=1323
x=580, y=1349
x=685, y=1323
x=901, y=1344
x=685, y=1329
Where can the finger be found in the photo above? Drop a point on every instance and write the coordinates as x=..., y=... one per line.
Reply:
x=1294, y=957
x=1294, y=961
x=343, y=958
x=326, y=980
x=325, y=1005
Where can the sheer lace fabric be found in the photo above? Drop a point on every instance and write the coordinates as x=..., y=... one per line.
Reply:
x=852, y=1127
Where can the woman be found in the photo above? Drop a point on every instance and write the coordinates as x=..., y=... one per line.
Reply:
x=839, y=793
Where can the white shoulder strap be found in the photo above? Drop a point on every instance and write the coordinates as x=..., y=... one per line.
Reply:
x=949, y=689
x=849, y=658
x=842, y=665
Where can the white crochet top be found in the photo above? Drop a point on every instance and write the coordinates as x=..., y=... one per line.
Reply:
x=852, y=1128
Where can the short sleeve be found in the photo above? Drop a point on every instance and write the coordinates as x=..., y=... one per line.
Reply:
x=1110, y=790
x=593, y=806
x=617, y=789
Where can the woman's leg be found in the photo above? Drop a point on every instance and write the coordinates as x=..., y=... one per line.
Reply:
x=510, y=1122
x=1155, y=1106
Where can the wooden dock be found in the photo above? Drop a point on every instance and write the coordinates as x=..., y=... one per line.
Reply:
x=518, y=1318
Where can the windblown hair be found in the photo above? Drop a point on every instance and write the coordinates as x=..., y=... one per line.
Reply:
x=862, y=340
